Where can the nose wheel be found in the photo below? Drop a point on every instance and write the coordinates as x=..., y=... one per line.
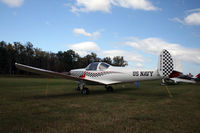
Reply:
x=85, y=91
x=81, y=87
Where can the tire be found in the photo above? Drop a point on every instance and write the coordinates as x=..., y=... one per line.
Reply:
x=85, y=91
x=109, y=89
x=77, y=89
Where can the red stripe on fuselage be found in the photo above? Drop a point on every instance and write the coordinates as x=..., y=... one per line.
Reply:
x=82, y=76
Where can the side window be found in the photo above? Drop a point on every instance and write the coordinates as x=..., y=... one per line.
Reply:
x=103, y=66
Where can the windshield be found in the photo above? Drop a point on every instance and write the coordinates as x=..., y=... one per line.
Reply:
x=97, y=66
x=92, y=66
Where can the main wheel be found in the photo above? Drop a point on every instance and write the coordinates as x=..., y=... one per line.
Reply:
x=109, y=88
x=77, y=89
x=85, y=91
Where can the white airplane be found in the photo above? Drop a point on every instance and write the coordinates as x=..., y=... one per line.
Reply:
x=182, y=79
x=105, y=74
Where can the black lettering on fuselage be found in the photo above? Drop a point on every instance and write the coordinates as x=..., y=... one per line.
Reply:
x=151, y=73
x=135, y=73
x=146, y=73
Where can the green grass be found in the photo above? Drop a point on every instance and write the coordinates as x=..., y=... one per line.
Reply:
x=27, y=106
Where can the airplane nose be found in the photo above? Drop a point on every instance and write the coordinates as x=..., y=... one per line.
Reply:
x=70, y=72
x=73, y=72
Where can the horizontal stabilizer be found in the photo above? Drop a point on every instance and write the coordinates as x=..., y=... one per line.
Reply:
x=178, y=80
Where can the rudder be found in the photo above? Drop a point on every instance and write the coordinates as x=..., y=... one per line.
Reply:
x=165, y=64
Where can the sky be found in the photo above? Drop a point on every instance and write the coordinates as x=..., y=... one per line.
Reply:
x=135, y=29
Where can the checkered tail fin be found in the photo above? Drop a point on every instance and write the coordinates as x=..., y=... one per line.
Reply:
x=165, y=64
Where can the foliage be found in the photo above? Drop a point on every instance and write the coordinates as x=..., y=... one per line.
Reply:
x=119, y=61
x=60, y=61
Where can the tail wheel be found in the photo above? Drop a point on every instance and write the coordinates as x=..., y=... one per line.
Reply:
x=85, y=91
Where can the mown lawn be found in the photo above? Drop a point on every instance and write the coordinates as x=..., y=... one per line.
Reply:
x=26, y=105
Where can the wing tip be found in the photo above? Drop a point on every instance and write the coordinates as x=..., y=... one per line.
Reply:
x=17, y=63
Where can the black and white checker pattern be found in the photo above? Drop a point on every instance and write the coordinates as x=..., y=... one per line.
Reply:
x=98, y=74
x=167, y=63
x=91, y=74
x=78, y=73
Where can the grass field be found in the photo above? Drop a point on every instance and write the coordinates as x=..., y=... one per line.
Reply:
x=27, y=106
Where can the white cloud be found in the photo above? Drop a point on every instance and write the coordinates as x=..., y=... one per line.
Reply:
x=193, y=18
x=13, y=3
x=106, y=5
x=155, y=45
x=81, y=31
x=93, y=5
x=129, y=56
x=194, y=10
x=137, y=4
x=84, y=48
x=139, y=65
x=177, y=20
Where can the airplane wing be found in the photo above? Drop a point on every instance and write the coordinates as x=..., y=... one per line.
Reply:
x=53, y=74
x=43, y=71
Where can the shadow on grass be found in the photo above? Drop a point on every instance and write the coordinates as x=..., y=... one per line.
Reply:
x=125, y=91
x=155, y=95
x=78, y=94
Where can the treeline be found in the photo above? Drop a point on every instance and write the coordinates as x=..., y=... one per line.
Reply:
x=60, y=61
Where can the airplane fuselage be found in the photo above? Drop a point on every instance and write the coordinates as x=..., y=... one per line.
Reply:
x=114, y=75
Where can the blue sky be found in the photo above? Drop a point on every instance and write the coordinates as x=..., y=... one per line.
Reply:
x=135, y=29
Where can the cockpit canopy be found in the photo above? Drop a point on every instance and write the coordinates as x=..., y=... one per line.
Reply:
x=97, y=66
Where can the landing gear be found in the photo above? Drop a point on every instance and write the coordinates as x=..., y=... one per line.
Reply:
x=85, y=91
x=81, y=87
x=78, y=88
x=109, y=88
x=163, y=82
